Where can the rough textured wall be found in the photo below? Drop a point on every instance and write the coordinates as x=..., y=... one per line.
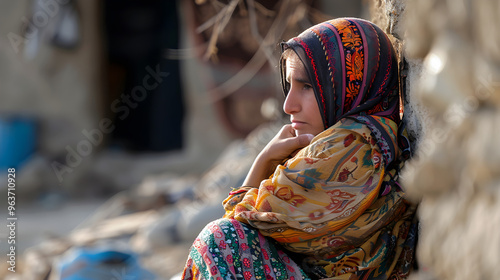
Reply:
x=455, y=98
x=390, y=15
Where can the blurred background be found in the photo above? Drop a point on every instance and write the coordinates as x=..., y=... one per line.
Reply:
x=127, y=122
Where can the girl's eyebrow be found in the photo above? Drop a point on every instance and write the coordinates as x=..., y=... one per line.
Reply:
x=302, y=80
x=299, y=79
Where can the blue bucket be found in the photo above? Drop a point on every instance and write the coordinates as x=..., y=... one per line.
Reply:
x=17, y=141
x=100, y=263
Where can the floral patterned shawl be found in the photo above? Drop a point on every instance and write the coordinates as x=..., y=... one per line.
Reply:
x=337, y=202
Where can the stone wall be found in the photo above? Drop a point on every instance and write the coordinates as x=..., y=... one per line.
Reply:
x=452, y=100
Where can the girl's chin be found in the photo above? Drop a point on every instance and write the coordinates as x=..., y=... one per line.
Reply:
x=302, y=131
x=298, y=132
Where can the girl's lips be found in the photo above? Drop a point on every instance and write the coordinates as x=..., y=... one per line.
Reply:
x=298, y=124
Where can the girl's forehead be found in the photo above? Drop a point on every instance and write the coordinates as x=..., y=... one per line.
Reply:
x=293, y=63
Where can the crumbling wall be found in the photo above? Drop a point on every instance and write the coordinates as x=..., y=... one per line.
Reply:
x=453, y=95
x=390, y=15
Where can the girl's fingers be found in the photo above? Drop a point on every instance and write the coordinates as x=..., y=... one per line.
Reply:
x=297, y=142
x=285, y=144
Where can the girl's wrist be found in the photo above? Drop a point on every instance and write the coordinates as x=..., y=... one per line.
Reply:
x=258, y=172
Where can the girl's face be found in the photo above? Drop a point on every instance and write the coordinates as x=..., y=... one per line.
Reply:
x=300, y=102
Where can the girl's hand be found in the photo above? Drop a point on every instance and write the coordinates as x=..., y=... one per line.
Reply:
x=284, y=145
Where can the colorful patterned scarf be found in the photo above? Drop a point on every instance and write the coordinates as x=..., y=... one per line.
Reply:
x=337, y=203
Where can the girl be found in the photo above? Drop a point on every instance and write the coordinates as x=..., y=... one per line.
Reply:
x=322, y=199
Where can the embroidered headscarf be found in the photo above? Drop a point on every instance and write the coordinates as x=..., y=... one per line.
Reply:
x=336, y=201
x=352, y=67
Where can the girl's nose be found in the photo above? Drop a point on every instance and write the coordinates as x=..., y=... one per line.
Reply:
x=291, y=105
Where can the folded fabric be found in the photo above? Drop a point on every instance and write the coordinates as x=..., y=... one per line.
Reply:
x=334, y=203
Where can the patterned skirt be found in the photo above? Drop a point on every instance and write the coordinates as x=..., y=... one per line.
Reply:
x=228, y=249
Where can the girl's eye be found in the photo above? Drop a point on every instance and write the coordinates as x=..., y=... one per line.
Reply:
x=307, y=86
